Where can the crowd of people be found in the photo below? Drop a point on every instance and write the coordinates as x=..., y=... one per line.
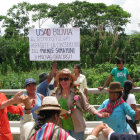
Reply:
x=59, y=115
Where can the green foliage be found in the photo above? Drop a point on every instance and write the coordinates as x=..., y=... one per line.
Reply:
x=40, y=12
x=114, y=14
x=95, y=77
x=98, y=45
x=13, y=117
x=61, y=14
x=14, y=80
x=88, y=15
x=95, y=99
x=134, y=70
x=16, y=21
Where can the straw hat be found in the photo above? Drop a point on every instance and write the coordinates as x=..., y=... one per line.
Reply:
x=115, y=87
x=65, y=71
x=50, y=103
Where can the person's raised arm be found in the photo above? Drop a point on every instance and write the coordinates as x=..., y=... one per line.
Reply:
x=27, y=116
x=11, y=101
x=106, y=82
x=52, y=73
x=27, y=103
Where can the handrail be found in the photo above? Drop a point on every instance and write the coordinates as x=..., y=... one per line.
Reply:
x=11, y=91
x=97, y=91
x=90, y=91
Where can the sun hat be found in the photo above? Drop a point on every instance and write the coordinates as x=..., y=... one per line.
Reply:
x=51, y=103
x=43, y=76
x=65, y=71
x=29, y=81
x=115, y=87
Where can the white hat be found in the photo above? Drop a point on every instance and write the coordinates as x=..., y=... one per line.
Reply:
x=51, y=103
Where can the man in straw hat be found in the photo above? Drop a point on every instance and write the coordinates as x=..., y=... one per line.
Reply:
x=46, y=126
x=48, y=118
x=118, y=109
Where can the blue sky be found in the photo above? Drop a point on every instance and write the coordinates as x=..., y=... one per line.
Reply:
x=131, y=6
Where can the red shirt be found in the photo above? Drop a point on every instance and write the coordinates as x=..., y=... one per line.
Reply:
x=5, y=132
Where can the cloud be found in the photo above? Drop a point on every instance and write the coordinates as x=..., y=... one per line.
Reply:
x=133, y=7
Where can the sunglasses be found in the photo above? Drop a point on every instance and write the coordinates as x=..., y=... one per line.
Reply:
x=65, y=79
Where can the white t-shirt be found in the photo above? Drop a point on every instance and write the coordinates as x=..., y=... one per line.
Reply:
x=130, y=100
x=82, y=81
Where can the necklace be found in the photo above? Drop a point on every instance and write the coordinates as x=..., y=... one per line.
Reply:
x=65, y=94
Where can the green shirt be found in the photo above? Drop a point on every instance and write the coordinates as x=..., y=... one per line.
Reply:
x=120, y=75
x=67, y=124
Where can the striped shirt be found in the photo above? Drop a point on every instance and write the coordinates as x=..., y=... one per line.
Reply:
x=50, y=131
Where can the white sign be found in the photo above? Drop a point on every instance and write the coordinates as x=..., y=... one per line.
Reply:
x=54, y=44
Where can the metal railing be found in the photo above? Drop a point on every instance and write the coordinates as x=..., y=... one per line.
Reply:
x=90, y=91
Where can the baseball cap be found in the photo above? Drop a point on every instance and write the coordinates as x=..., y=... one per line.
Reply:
x=29, y=81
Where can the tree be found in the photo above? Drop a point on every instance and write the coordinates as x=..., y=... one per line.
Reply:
x=77, y=14
x=17, y=20
x=89, y=15
x=116, y=17
x=40, y=12
x=61, y=14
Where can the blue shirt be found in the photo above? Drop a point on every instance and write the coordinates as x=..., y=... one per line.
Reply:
x=44, y=89
x=36, y=107
x=117, y=120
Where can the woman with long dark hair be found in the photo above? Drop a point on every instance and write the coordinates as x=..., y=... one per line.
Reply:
x=130, y=99
x=80, y=79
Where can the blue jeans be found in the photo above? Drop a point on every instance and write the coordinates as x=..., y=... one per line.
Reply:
x=77, y=136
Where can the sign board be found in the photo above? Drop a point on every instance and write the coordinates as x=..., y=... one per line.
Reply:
x=61, y=44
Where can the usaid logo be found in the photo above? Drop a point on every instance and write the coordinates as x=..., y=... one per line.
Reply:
x=42, y=32
x=54, y=32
